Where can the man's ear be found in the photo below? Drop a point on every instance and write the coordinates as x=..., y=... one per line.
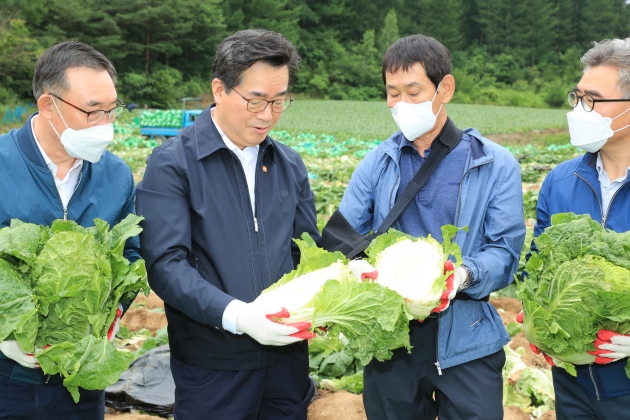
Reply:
x=218, y=90
x=447, y=88
x=45, y=106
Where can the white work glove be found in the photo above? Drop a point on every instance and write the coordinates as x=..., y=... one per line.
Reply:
x=13, y=351
x=610, y=347
x=256, y=321
x=453, y=284
x=113, y=329
x=363, y=270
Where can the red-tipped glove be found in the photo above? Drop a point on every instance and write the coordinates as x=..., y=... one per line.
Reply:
x=520, y=317
x=263, y=325
x=610, y=347
x=453, y=282
x=363, y=270
x=113, y=329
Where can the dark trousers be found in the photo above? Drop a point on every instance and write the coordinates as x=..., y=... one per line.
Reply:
x=574, y=403
x=409, y=387
x=23, y=401
x=279, y=392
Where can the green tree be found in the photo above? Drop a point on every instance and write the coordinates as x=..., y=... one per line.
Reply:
x=18, y=54
x=442, y=20
x=389, y=34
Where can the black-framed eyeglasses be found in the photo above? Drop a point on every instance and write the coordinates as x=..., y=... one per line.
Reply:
x=588, y=102
x=259, y=105
x=94, y=117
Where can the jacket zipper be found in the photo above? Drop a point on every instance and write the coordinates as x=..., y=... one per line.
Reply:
x=604, y=218
x=601, y=208
x=459, y=202
x=590, y=372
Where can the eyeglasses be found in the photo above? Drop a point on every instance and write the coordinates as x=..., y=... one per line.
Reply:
x=588, y=102
x=94, y=117
x=259, y=105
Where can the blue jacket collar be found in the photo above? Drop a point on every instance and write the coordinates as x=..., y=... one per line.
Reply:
x=209, y=140
x=586, y=170
x=26, y=142
x=480, y=155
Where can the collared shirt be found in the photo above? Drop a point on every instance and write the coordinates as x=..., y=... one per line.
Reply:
x=609, y=188
x=435, y=205
x=248, y=158
x=67, y=185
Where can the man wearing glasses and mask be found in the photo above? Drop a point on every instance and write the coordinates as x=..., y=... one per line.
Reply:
x=596, y=184
x=222, y=203
x=56, y=167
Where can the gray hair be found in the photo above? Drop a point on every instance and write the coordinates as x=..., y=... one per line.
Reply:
x=242, y=49
x=613, y=53
x=50, y=69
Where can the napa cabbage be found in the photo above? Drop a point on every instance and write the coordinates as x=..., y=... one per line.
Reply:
x=60, y=285
x=414, y=267
x=322, y=290
x=579, y=282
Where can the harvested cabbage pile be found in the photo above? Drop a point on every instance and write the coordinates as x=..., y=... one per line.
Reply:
x=579, y=283
x=60, y=286
x=324, y=292
x=414, y=267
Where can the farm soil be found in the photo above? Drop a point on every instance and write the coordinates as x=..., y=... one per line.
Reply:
x=147, y=312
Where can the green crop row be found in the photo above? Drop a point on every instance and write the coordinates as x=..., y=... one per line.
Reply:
x=368, y=120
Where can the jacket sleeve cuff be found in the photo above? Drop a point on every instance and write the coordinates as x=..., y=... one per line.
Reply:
x=229, y=316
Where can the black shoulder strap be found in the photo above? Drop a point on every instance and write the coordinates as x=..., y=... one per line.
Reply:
x=447, y=140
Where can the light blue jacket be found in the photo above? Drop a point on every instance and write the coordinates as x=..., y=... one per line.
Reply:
x=490, y=204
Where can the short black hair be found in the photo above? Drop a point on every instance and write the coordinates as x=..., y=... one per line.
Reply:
x=404, y=53
x=242, y=49
x=50, y=69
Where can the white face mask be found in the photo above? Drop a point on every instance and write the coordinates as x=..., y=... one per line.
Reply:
x=589, y=130
x=415, y=120
x=88, y=143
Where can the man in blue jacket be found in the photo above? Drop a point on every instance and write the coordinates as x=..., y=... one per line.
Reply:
x=56, y=167
x=454, y=370
x=223, y=202
x=596, y=184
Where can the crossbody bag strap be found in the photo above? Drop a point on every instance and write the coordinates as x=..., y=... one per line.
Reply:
x=447, y=140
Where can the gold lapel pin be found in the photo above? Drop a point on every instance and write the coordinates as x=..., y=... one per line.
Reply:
x=264, y=168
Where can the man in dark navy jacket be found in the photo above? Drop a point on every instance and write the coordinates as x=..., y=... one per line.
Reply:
x=596, y=184
x=222, y=203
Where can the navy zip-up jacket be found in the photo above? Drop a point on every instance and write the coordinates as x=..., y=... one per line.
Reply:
x=204, y=245
x=573, y=186
x=105, y=189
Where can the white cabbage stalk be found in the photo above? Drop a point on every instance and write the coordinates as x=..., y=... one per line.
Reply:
x=414, y=269
x=299, y=291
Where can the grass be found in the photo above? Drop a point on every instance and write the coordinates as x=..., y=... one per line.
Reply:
x=373, y=120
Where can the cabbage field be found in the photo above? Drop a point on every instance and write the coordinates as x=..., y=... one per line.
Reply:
x=332, y=137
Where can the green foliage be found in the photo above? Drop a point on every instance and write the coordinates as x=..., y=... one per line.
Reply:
x=531, y=48
x=61, y=288
x=578, y=283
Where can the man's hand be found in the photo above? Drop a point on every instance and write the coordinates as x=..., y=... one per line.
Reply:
x=113, y=329
x=259, y=324
x=453, y=283
x=363, y=270
x=13, y=351
x=610, y=347
x=520, y=317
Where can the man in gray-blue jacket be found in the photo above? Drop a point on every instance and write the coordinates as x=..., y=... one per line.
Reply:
x=56, y=167
x=454, y=370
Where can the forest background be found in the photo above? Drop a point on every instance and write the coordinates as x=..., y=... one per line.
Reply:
x=505, y=52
